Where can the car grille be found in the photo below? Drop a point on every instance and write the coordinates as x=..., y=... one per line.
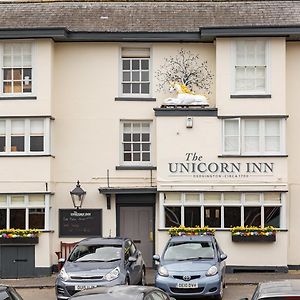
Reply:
x=87, y=277
x=181, y=277
x=60, y=290
x=187, y=291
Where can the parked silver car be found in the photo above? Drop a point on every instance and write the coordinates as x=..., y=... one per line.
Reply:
x=100, y=262
x=191, y=266
x=277, y=290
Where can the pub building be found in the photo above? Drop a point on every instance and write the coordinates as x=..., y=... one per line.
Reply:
x=87, y=114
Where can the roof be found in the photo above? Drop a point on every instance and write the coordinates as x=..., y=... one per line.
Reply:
x=178, y=18
x=279, y=288
x=102, y=241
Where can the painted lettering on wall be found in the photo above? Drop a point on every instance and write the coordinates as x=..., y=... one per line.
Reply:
x=194, y=164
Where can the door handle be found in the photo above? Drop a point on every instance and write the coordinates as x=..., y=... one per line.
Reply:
x=20, y=260
x=151, y=235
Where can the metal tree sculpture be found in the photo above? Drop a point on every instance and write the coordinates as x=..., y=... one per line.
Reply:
x=186, y=68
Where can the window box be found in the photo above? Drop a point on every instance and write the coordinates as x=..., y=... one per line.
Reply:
x=19, y=240
x=182, y=230
x=253, y=234
x=254, y=238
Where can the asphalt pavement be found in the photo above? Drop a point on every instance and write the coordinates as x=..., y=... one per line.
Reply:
x=244, y=278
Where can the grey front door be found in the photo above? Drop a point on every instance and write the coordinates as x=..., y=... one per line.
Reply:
x=136, y=222
x=17, y=261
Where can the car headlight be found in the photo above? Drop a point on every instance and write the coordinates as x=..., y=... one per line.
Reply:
x=113, y=274
x=64, y=275
x=162, y=271
x=213, y=270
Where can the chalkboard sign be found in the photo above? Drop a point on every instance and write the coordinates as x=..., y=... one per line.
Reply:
x=80, y=222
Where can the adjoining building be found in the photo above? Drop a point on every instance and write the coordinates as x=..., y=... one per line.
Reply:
x=80, y=99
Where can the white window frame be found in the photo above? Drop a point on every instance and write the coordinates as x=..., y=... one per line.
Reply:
x=33, y=50
x=136, y=163
x=27, y=133
x=135, y=95
x=234, y=90
x=262, y=151
x=222, y=204
x=27, y=206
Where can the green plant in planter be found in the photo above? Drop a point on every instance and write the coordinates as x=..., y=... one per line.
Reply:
x=17, y=233
x=182, y=230
x=253, y=231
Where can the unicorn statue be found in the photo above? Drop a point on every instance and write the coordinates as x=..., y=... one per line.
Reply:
x=184, y=95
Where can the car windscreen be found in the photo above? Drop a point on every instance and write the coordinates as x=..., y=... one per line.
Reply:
x=105, y=253
x=189, y=250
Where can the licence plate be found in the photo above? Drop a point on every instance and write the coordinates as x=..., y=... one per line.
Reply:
x=187, y=285
x=84, y=287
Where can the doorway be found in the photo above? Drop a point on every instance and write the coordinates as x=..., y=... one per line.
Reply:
x=135, y=220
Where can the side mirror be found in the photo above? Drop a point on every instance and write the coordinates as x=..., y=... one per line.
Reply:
x=156, y=258
x=223, y=256
x=132, y=259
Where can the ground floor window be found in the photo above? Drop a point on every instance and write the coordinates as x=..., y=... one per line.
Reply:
x=24, y=211
x=222, y=209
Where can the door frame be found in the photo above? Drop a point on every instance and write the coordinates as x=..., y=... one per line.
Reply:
x=147, y=202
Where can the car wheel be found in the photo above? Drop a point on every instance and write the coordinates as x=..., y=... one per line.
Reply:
x=143, y=278
x=220, y=296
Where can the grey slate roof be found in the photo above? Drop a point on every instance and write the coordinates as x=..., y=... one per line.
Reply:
x=181, y=16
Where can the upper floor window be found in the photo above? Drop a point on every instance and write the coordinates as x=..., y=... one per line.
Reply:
x=250, y=67
x=24, y=136
x=253, y=136
x=135, y=75
x=136, y=143
x=16, y=68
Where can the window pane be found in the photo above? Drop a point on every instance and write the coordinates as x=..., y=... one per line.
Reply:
x=37, y=200
x=136, y=137
x=37, y=218
x=231, y=144
x=126, y=64
x=231, y=138
x=3, y=200
x=145, y=76
x=192, y=216
x=251, y=144
x=145, y=156
x=17, y=200
x=191, y=197
x=17, y=143
x=172, y=216
x=136, y=88
x=272, y=216
x=251, y=127
x=272, y=197
x=145, y=64
x=126, y=88
x=135, y=76
x=36, y=143
x=212, y=197
x=126, y=76
x=17, y=74
x=272, y=144
x=212, y=217
x=7, y=87
x=252, y=198
x=146, y=147
x=135, y=64
x=252, y=216
x=7, y=74
x=232, y=216
x=17, y=218
x=127, y=137
x=136, y=156
x=127, y=146
x=2, y=144
x=145, y=88
x=172, y=197
x=232, y=197
x=127, y=156
x=2, y=218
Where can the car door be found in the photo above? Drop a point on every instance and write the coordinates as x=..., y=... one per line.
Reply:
x=130, y=266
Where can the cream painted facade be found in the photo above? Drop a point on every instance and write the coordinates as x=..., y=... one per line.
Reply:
x=76, y=85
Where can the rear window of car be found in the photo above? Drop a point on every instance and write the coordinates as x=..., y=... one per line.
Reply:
x=189, y=250
x=104, y=253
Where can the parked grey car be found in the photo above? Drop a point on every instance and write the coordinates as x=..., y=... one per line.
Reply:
x=277, y=290
x=9, y=293
x=122, y=293
x=100, y=262
x=191, y=266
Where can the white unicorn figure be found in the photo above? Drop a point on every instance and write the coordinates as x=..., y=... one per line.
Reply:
x=184, y=96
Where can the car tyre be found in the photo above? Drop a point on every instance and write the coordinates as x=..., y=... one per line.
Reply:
x=143, y=277
x=222, y=286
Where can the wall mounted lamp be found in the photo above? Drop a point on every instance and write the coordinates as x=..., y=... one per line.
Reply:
x=78, y=195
